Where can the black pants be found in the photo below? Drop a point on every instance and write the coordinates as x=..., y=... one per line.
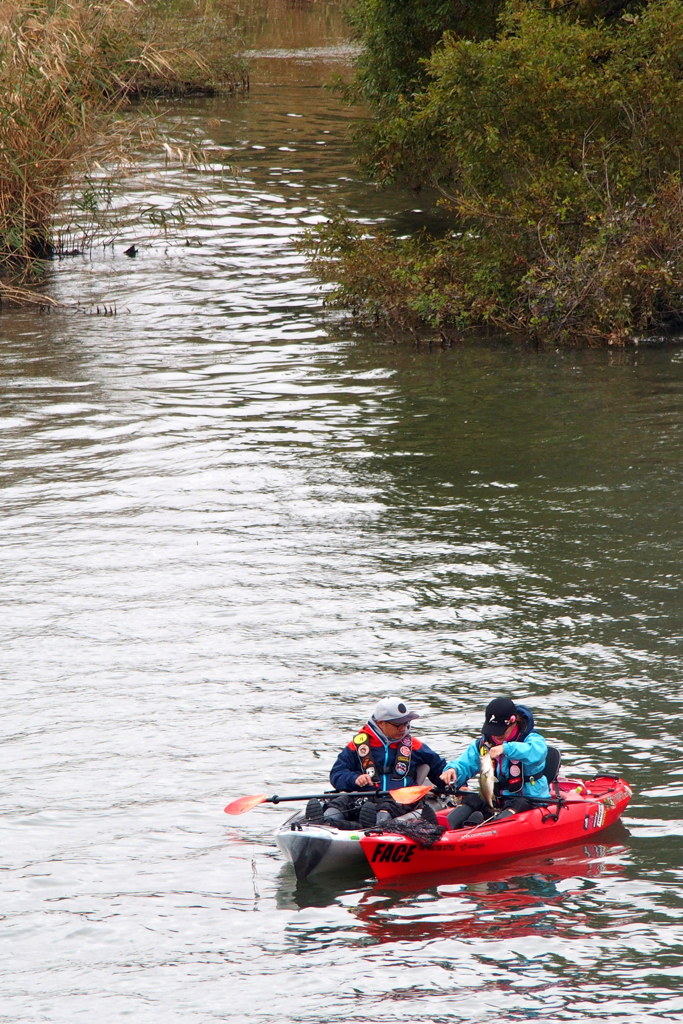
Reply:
x=342, y=808
x=472, y=802
x=346, y=808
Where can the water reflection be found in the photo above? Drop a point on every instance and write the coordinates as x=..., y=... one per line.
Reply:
x=548, y=935
x=322, y=890
x=300, y=25
x=509, y=901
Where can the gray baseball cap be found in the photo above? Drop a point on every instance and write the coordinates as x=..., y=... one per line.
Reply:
x=393, y=709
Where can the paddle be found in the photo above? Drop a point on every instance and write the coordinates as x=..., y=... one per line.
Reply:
x=407, y=795
x=245, y=803
x=410, y=794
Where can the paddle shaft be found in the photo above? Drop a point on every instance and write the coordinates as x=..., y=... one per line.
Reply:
x=408, y=795
x=324, y=796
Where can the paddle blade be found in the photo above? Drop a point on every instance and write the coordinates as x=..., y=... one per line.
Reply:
x=410, y=794
x=245, y=803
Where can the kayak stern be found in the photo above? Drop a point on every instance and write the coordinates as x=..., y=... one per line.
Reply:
x=314, y=849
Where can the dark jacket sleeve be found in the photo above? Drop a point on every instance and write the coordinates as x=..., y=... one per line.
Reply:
x=345, y=770
x=425, y=755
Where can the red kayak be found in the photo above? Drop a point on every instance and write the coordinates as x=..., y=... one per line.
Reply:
x=582, y=809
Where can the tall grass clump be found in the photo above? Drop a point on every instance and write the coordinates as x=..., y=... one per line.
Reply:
x=68, y=68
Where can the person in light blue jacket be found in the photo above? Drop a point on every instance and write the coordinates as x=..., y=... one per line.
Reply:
x=518, y=753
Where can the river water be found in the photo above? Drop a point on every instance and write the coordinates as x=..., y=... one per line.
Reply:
x=232, y=522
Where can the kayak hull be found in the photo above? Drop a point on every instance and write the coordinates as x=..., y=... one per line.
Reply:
x=585, y=809
x=315, y=849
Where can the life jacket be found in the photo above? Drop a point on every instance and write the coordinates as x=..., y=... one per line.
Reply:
x=367, y=739
x=512, y=781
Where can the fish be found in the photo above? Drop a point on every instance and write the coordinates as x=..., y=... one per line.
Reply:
x=487, y=776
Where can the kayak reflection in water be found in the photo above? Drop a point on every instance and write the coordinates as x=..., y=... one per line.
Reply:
x=491, y=902
x=513, y=760
x=382, y=756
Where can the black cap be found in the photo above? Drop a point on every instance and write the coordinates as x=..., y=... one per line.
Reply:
x=499, y=713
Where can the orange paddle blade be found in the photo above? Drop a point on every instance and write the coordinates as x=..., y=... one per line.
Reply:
x=410, y=794
x=245, y=803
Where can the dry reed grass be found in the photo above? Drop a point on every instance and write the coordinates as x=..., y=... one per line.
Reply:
x=68, y=68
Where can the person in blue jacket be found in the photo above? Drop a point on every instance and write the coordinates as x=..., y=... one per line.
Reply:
x=383, y=755
x=518, y=753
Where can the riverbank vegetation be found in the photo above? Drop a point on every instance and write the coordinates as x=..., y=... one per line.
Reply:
x=551, y=133
x=68, y=72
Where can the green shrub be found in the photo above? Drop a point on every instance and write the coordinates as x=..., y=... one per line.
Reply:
x=556, y=148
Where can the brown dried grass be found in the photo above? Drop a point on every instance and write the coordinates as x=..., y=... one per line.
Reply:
x=67, y=70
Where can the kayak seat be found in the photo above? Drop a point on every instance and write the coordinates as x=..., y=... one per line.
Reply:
x=553, y=762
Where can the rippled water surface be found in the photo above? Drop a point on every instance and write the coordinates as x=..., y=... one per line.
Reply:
x=231, y=524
